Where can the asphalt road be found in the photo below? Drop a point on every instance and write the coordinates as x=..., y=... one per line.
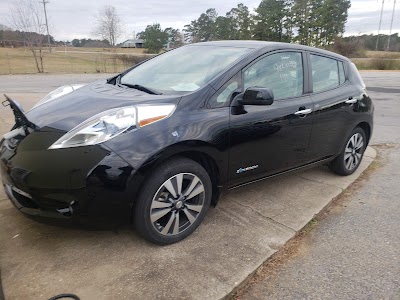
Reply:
x=354, y=253
x=384, y=88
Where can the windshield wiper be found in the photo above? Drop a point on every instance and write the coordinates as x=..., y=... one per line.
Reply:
x=141, y=88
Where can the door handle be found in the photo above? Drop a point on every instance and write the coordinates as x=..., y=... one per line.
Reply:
x=351, y=100
x=303, y=112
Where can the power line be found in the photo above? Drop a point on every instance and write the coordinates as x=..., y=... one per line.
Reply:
x=47, y=23
x=379, y=29
x=391, y=24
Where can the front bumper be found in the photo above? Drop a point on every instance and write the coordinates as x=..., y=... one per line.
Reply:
x=76, y=185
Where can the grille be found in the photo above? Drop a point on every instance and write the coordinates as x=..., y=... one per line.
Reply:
x=52, y=204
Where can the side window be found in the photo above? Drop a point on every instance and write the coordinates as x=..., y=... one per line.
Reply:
x=342, y=77
x=224, y=95
x=325, y=73
x=281, y=72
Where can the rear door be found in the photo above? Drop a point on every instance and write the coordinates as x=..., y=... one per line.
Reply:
x=265, y=140
x=334, y=98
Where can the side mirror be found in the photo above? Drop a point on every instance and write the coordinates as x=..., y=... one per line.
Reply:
x=257, y=96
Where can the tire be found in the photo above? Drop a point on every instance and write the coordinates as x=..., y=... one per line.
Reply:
x=352, y=153
x=166, y=214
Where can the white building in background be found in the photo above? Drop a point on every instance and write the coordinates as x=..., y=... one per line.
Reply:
x=131, y=43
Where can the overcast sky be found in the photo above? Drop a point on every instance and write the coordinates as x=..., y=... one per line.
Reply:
x=75, y=18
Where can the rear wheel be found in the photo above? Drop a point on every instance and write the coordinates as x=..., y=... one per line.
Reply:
x=173, y=202
x=350, y=158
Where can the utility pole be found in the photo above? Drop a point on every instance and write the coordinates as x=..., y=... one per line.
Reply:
x=47, y=23
x=391, y=25
x=379, y=29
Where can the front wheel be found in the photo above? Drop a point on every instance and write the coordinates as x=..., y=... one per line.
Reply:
x=350, y=158
x=173, y=202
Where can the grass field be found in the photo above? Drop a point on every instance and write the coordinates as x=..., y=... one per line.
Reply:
x=380, y=54
x=107, y=60
x=378, y=60
x=66, y=60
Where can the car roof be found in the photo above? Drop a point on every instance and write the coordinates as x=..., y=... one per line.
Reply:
x=268, y=46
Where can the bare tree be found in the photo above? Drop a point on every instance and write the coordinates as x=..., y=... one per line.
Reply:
x=28, y=18
x=109, y=25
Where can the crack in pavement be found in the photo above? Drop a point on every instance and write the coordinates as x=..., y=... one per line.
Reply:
x=316, y=181
x=265, y=217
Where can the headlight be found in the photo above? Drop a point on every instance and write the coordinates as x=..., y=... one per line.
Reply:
x=61, y=91
x=111, y=123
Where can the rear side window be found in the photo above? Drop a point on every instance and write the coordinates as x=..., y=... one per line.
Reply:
x=342, y=77
x=325, y=73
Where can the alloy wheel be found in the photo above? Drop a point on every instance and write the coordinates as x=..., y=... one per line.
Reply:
x=353, y=152
x=177, y=204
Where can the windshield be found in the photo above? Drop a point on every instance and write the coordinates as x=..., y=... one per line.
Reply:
x=183, y=70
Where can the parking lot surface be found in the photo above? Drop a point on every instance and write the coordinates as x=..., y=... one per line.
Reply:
x=38, y=261
x=354, y=252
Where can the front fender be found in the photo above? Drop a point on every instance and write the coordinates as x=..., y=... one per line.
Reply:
x=186, y=148
x=205, y=131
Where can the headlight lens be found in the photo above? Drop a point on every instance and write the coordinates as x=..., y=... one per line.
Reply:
x=61, y=91
x=111, y=123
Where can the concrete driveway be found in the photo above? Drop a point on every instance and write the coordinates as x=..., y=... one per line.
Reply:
x=38, y=261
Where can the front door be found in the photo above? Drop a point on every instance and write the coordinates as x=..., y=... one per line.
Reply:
x=270, y=139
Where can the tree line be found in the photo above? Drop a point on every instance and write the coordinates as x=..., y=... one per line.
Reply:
x=90, y=43
x=369, y=42
x=308, y=22
x=17, y=38
x=10, y=38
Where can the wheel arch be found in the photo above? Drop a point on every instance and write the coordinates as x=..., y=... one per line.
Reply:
x=367, y=129
x=364, y=125
x=209, y=157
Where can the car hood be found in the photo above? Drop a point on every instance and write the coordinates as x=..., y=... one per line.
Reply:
x=68, y=111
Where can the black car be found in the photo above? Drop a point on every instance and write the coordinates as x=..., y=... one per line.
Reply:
x=157, y=144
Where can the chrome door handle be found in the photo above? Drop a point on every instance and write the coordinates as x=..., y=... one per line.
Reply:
x=303, y=112
x=351, y=101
